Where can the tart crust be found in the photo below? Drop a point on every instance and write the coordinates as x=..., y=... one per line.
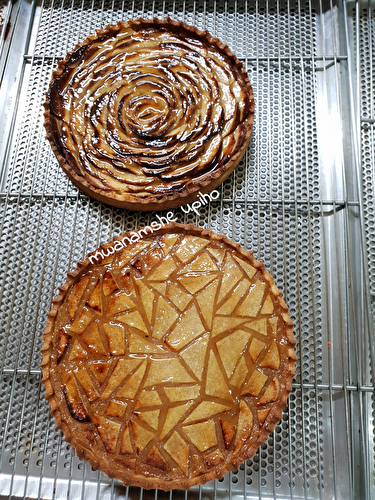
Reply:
x=138, y=176
x=199, y=332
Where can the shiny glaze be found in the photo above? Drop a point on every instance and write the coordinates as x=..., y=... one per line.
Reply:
x=146, y=275
x=148, y=110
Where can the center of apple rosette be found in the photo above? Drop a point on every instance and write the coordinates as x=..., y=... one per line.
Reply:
x=146, y=110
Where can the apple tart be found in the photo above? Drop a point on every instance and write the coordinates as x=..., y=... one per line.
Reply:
x=168, y=357
x=148, y=113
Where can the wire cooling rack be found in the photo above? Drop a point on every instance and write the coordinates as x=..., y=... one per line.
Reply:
x=302, y=199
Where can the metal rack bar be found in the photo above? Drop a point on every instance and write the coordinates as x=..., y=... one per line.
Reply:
x=298, y=333
x=298, y=54
x=313, y=61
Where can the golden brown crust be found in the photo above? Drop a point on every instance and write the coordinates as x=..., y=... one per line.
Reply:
x=184, y=193
x=124, y=469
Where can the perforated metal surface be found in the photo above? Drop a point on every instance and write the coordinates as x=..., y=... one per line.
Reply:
x=366, y=62
x=294, y=199
x=364, y=16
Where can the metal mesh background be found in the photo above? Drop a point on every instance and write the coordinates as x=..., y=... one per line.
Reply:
x=366, y=46
x=364, y=16
x=287, y=201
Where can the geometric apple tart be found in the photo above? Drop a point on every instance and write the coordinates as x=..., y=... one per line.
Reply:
x=168, y=357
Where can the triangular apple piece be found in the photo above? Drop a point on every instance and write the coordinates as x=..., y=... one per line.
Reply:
x=154, y=459
x=119, y=303
x=251, y=305
x=131, y=387
x=126, y=444
x=133, y=319
x=63, y=343
x=95, y=299
x=225, y=323
x=82, y=321
x=236, y=295
x=174, y=415
x=239, y=374
x=182, y=393
x=273, y=322
x=256, y=347
x=231, y=276
x=131, y=251
x=85, y=381
x=77, y=352
x=109, y=284
x=218, y=253
x=255, y=384
x=203, y=263
x=165, y=370
x=195, y=355
x=165, y=316
x=195, y=283
x=230, y=349
x=206, y=410
x=244, y=426
x=202, y=435
x=271, y=393
x=167, y=241
x=160, y=287
x=189, y=247
x=267, y=305
x=127, y=282
x=187, y=329
x=75, y=295
x=259, y=325
x=164, y=270
x=215, y=382
x=206, y=301
x=108, y=432
x=249, y=270
x=262, y=415
x=148, y=398
x=141, y=436
x=214, y=458
x=138, y=265
x=228, y=432
x=151, y=417
x=94, y=342
x=179, y=451
x=152, y=257
x=179, y=297
x=100, y=370
x=122, y=369
x=272, y=358
x=147, y=298
x=116, y=409
x=138, y=345
x=73, y=398
x=116, y=338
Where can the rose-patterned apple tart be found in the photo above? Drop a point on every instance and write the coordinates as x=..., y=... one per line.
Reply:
x=148, y=113
x=168, y=357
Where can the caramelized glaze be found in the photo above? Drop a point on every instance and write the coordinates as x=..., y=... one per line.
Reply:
x=177, y=373
x=149, y=109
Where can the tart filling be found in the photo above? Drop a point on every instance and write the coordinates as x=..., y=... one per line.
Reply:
x=149, y=111
x=169, y=362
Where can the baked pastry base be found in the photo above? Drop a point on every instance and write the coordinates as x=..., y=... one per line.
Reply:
x=168, y=361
